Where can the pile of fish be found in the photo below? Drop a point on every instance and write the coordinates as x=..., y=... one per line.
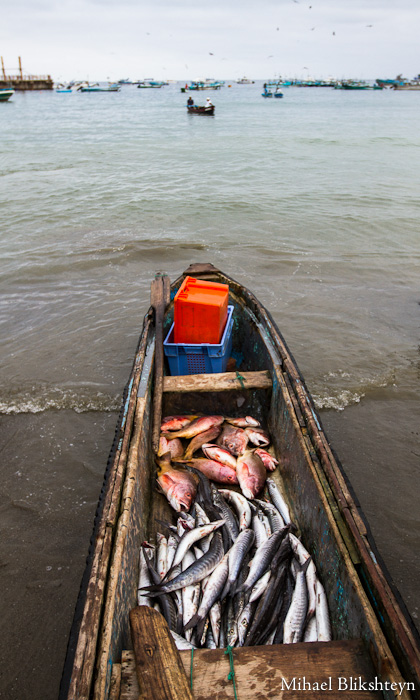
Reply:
x=232, y=570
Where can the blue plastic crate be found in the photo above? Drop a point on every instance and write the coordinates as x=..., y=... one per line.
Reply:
x=205, y=358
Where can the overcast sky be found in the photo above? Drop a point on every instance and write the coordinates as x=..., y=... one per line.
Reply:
x=226, y=39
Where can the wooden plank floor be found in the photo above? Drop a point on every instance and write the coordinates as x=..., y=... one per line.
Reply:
x=268, y=672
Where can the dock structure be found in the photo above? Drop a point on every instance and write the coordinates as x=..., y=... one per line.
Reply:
x=24, y=82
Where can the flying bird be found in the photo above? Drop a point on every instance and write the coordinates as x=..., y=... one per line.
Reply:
x=312, y=29
x=211, y=54
x=333, y=33
x=369, y=25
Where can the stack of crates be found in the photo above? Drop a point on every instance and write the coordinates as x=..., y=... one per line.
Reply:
x=200, y=339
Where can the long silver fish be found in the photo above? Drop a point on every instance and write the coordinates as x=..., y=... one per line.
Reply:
x=211, y=594
x=189, y=538
x=244, y=621
x=294, y=623
x=302, y=555
x=322, y=614
x=262, y=558
x=227, y=514
x=276, y=521
x=196, y=572
x=311, y=631
x=144, y=575
x=237, y=554
x=181, y=643
x=241, y=505
x=190, y=597
x=278, y=499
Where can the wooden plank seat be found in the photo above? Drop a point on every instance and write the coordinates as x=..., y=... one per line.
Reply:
x=222, y=381
x=288, y=671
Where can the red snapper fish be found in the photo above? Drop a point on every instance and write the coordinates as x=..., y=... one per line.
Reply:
x=174, y=446
x=233, y=438
x=179, y=487
x=201, y=439
x=213, y=470
x=246, y=422
x=220, y=454
x=269, y=461
x=176, y=422
x=258, y=436
x=199, y=425
x=251, y=474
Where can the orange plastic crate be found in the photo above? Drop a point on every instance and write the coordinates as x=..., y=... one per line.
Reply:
x=200, y=311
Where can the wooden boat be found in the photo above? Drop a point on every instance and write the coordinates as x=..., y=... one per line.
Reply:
x=6, y=94
x=200, y=109
x=374, y=639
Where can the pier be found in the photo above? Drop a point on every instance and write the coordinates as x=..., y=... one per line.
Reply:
x=24, y=82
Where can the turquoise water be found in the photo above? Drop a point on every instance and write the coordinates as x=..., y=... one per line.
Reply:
x=311, y=201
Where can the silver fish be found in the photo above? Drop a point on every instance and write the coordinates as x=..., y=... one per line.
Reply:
x=243, y=622
x=294, y=623
x=259, y=529
x=322, y=614
x=262, y=558
x=181, y=643
x=162, y=555
x=211, y=594
x=189, y=538
x=278, y=500
x=311, y=631
x=302, y=555
x=190, y=597
x=237, y=554
x=144, y=575
x=241, y=505
x=196, y=572
x=259, y=588
x=276, y=521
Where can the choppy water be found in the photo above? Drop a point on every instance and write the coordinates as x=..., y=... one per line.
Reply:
x=311, y=201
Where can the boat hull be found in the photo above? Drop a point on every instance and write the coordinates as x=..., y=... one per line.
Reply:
x=5, y=95
x=200, y=110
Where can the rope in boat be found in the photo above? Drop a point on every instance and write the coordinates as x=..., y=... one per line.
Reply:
x=231, y=676
x=241, y=379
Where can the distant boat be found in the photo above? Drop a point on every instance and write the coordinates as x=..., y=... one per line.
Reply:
x=98, y=88
x=207, y=84
x=245, y=81
x=408, y=85
x=151, y=84
x=356, y=85
x=200, y=109
x=5, y=94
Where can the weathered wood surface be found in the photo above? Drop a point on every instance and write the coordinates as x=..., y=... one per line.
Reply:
x=263, y=673
x=160, y=672
x=223, y=381
x=160, y=295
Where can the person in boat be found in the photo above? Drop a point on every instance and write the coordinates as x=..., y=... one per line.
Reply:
x=209, y=103
x=190, y=101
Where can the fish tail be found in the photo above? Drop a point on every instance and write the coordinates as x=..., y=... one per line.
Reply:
x=194, y=621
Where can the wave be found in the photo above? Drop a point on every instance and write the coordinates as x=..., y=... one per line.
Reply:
x=41, y=399
x=340, y=397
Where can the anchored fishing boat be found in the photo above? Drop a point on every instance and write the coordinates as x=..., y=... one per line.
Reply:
x=6, y=94
x=119, y=649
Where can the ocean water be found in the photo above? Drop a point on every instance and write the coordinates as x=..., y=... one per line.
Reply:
x=311, y=201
